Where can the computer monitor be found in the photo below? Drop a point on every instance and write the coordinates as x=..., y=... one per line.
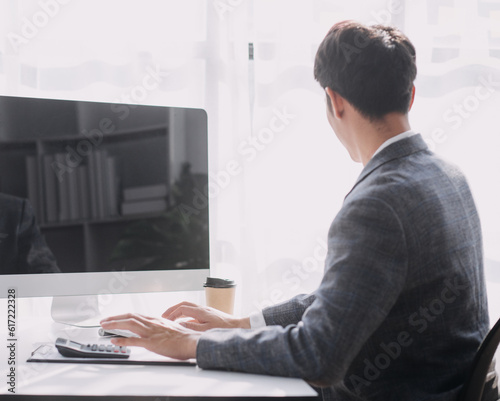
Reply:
x=119, y=192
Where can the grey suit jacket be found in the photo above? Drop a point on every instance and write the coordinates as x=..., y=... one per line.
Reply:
x=402, y=305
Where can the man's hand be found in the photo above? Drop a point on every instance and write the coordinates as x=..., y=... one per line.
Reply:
x=157, y=335
x=204, y=318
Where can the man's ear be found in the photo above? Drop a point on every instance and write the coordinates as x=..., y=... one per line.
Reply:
x=336, y=102
x=412, y=97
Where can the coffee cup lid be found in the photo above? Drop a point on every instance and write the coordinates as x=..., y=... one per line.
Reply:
x=219, y=283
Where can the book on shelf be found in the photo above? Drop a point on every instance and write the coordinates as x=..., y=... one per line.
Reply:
x=62, y=182
x=74, y=195
x=82, y=172
x=59, y=193
x=144, y=206
x=92, y=182
x=144, y=192
x=112, y=187
x=35, y=195
x=100, y=184
x=50, y=189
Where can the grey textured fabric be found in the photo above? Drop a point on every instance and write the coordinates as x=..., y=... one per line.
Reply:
x=402, y=305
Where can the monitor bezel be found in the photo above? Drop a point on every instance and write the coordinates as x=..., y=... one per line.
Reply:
x=102, y=283
x=113, y=281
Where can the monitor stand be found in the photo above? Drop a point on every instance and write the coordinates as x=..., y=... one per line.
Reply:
x=81, y=311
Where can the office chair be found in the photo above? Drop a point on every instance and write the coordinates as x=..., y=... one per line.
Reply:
x=473, y=388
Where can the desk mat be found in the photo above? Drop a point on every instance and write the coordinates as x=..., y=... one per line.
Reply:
x=46, y=352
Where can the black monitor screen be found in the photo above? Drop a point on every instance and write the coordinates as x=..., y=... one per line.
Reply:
x=88, y=186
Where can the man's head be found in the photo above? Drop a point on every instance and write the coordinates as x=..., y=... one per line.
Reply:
x=372, y=67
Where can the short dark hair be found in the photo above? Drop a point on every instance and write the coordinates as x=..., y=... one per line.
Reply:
x=372, y=67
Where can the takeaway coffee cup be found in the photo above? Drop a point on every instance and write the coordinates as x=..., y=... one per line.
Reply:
x=219, y=294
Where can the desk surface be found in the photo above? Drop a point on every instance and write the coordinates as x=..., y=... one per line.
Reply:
x=59, y=379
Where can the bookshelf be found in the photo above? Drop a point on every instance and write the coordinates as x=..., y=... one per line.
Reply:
x=75, y=161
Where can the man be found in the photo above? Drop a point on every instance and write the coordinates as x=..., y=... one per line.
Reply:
x=402, y=305
x=22, y=246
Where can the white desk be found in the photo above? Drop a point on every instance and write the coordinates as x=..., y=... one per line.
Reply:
x=46, y=380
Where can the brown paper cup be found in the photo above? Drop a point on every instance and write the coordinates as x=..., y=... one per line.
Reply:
x=220, y=293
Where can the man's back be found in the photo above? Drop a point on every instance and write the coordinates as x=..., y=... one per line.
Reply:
x=427, y=341
x=402, y=305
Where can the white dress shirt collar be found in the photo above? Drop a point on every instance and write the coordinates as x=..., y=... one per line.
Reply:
x=396, y=138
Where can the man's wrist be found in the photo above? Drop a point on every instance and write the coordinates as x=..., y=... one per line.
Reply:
x=193, y=344
x=244, y=323
x=239, y=323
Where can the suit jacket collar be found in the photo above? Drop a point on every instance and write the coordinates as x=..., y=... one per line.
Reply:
x=396, y=150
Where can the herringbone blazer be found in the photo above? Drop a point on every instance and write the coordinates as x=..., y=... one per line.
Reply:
x=402, y=306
